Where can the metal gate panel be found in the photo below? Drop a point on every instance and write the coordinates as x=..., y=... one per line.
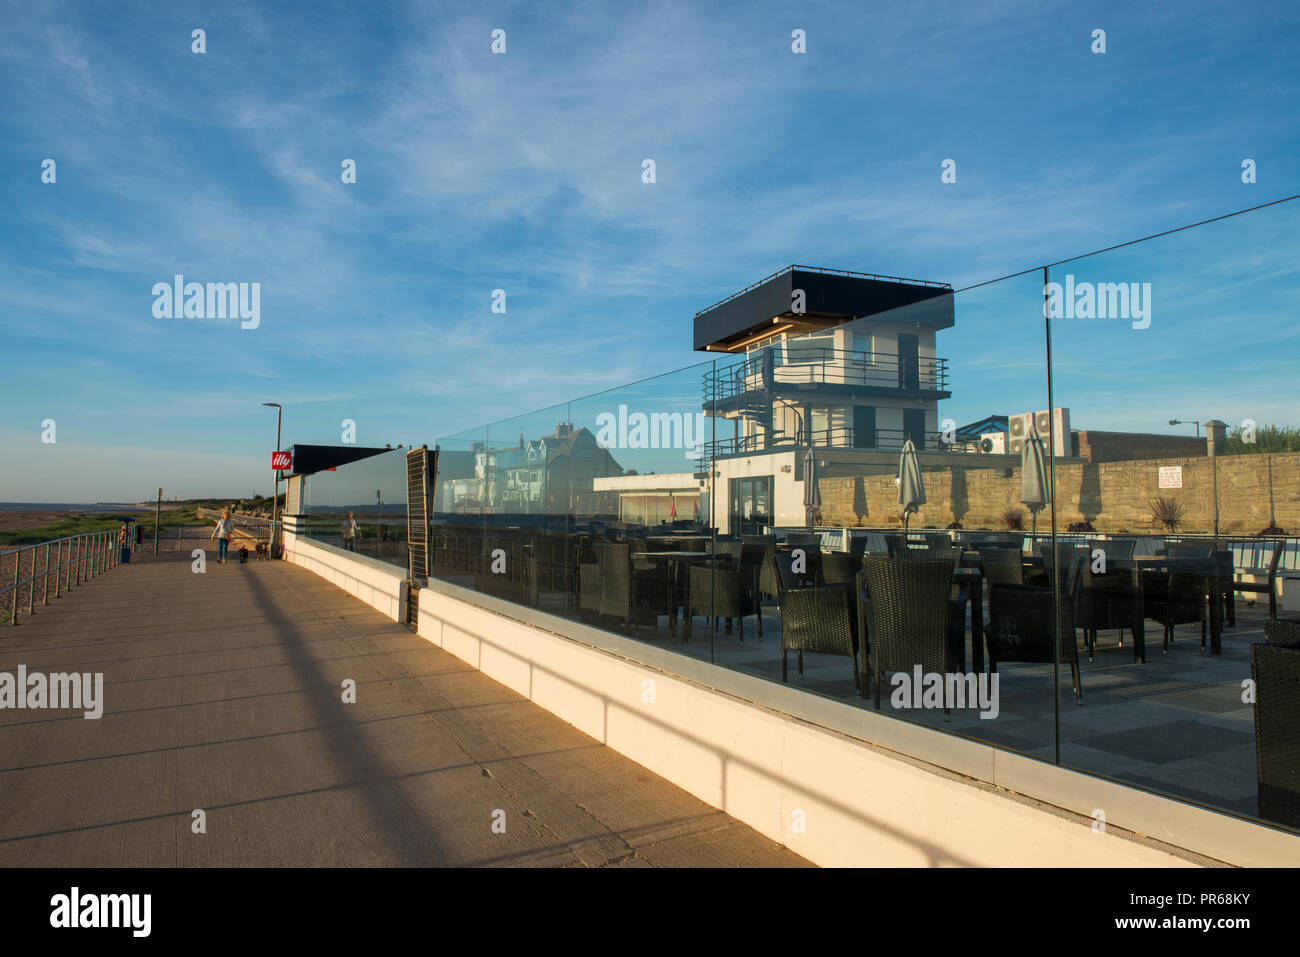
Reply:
x=421, y=473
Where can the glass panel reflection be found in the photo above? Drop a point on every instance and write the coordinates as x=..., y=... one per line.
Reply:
x=361, y=506
x=1176, y=358
x=872, y=494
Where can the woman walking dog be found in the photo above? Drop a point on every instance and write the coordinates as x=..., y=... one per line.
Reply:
x=222, y=534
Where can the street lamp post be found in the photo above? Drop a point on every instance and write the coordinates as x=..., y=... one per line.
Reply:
x=1181, y=422
x=275, y=497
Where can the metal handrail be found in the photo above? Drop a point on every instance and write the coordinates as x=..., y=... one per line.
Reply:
x=88, y=554
x=825, y=272
x=731, y=380
x=841, y=437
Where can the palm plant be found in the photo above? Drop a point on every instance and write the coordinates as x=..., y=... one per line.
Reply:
x=1169, y=512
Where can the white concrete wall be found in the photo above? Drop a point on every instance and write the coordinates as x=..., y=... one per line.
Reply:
x=811, y=782
x=832, y=799
x=787, y=494
x=378, y=584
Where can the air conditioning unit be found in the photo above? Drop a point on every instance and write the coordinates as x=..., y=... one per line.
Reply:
x=993, y=443
x=1058, y=422
x=1018, y=429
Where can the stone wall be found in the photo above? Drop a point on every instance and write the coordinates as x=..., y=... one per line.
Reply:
x=1114, y=496
x=1129, y=446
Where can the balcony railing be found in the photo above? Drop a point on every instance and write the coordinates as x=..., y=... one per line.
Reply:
x=887, y=440
x=776, y=367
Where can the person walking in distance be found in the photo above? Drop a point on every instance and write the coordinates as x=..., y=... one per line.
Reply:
x=350, y=533
x=225, y=525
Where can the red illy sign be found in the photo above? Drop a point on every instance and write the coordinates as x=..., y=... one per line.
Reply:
x=281, y=461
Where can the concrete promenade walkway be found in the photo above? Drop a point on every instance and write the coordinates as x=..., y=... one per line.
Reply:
x=223, y=692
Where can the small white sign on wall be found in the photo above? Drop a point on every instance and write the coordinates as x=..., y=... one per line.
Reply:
x=1171, y=476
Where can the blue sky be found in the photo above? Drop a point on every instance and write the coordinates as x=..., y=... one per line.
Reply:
x=522, y=172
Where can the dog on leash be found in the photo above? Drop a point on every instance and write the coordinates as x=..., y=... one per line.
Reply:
x=243, y=554
x=263, y=551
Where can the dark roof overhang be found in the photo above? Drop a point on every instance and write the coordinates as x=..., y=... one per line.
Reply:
x=831, y=297
x=309, y=459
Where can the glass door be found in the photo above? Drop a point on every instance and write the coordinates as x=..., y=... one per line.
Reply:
x=751, y=505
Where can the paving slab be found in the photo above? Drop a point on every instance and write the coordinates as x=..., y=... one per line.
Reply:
x=223, y=692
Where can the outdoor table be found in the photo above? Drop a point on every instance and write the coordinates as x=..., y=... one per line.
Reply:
x=677, y=563
x=1159, y=565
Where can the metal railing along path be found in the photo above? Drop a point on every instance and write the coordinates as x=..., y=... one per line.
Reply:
x=69, y=561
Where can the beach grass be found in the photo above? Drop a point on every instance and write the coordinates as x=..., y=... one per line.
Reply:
x=78, y=524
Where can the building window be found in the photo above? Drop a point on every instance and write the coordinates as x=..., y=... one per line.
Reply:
x=819, y=425
x=814, y=347
x=859, y=346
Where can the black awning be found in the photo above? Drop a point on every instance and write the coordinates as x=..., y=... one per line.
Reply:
x=308, y=459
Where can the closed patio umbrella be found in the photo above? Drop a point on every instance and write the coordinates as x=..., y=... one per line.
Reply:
x=1034, y=489
x=911, y=487
x=812, y=493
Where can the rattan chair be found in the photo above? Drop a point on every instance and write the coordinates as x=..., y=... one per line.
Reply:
x=720, y=592
x=907, y=614
x=1177, y=596
x=907, y=541
x=813, y=539
x=636, y=596
x=1022, y=624
x=839, y=568
x=1004, y=566
x=898, y=548
x=1270, y=586
x=753, y=558
x=769, y=581
x=1275, y=670
x=1281, y=632
x=820, y=619
x=1180, y=551
x=500, y=567
x=1011, y=541
x=731, y=549
x=547, y=569
x=1111, y=599
x=785, y=573
x=1118, y=548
